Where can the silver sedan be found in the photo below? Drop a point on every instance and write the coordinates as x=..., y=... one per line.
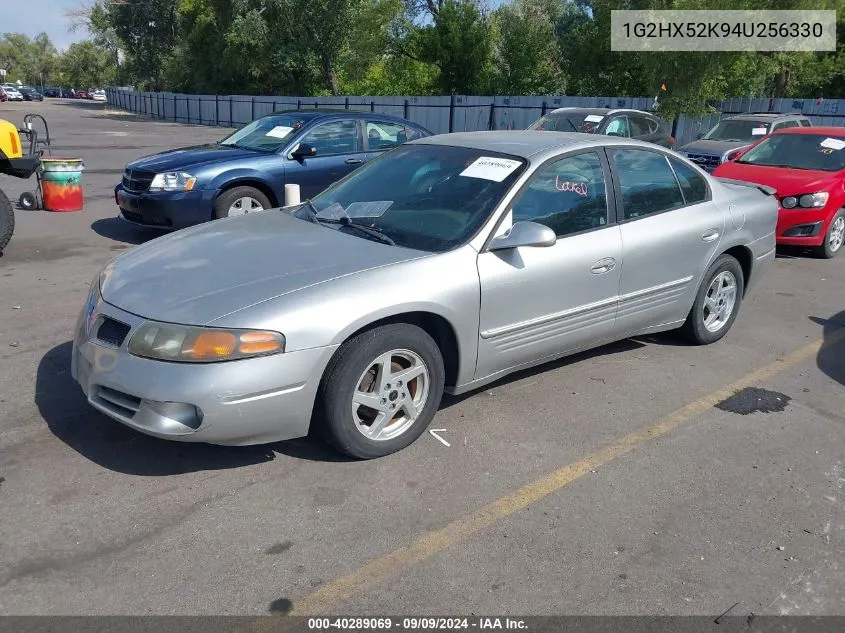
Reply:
x=443, y=265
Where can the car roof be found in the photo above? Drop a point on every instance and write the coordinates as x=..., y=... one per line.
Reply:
x=818, y=131
x=326, y=113
x=522, y=143
x=765, y=116
x=602, y=111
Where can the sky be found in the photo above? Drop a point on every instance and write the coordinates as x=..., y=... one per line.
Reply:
x=31, y=17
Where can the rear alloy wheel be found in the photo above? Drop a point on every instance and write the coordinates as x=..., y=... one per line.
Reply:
x=239, y=201
x=380, y=391
x=717, y=302
x=835, y=237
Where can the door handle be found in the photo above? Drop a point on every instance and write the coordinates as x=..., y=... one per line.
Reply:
x=711, y=235
x=353, y=161
x=603, y=266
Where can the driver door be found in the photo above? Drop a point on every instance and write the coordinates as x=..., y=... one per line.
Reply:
x=339, y=151
x=539, y=302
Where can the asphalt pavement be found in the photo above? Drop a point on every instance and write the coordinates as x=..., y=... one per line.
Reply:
x=645, y=477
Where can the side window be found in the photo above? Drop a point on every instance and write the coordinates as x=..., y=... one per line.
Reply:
x=337, y=137
x=647, y=181
x=639, y=125
x=692, y=184
x=791, y=124
x=568, y=195
x=776, y=126
x=806, y=123
x=386, y=134
x=618, y=126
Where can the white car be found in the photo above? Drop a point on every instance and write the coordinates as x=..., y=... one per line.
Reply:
x=98, y=95
x=12, y=93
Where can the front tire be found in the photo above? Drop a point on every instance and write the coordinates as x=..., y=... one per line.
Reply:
x=380, y=391
x=834, y=239
x=239, y=201
x=717, y=302
x=7, y=221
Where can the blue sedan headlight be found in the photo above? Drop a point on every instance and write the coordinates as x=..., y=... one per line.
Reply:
x=173, y=181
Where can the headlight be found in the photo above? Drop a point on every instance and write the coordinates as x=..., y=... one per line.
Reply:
x=173, y=181
x=813, y=200
x=790, y=202
x=189, y=344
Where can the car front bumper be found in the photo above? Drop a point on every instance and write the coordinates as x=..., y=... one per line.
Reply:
x=168, y=210
x=237, y=403
x=802, y=227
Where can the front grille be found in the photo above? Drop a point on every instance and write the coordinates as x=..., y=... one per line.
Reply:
x=112, y=332
x=117, y=402
x=136, y=180
x=708, y=162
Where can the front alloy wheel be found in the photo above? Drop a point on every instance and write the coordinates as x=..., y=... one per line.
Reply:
x=380, y=391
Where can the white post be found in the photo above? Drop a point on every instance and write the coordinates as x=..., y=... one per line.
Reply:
x=291, y=195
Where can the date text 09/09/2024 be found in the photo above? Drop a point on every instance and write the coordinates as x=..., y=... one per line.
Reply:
x=417, y=623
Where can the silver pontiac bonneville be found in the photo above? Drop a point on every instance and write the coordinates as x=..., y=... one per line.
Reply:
x=442, y=265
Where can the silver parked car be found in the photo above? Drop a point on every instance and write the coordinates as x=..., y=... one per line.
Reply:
x=447, y=263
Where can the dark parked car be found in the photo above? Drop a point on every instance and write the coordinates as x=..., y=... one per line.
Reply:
x=248, y=170
x=30, y=94
x=637, y=124
x=730, y=136
x=52, y=92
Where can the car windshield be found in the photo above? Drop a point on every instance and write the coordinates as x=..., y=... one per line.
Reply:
x=737, y=130
x=425, y=197
x=267, y=134
x=569, y=121
x=799, y=151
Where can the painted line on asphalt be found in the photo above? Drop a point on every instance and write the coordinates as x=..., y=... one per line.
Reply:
x=431, y=543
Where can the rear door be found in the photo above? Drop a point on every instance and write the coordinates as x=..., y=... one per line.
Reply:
x=381, y=135
x=339, y=150
x=670, y=232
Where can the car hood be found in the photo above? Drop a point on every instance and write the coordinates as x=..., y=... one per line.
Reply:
x=191, y=156
x=200, y=274
x=786, y=182
x=713, y=147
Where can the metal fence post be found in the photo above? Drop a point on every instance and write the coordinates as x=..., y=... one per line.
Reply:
x=216, y=109
x=405, y=110
x=175, y=118
x=372, y=105
x=346, y=105
x=230, y=110
x=452, y=113
x=299, y=104
x=544, y=109
x=252, y=110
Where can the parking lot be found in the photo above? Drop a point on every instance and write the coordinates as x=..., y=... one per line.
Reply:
x=626, y=480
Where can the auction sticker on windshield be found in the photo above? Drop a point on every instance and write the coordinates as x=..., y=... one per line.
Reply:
x=280, y=131
x=758, y=131
x=833, y=143
x=593, y=118
x=489, y=168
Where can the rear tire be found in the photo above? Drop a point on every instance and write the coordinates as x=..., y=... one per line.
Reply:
x=834, y=239
x=366, y=411
x=7, y=220
x=27, y=201
x=717, y=302
x=240, y=200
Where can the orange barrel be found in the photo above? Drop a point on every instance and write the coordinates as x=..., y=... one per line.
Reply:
x=61, y=183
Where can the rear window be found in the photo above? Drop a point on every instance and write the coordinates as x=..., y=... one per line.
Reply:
x=799, y=151
x=737, y=130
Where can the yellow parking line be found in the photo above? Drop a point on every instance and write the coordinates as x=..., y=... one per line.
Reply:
x=429, y=544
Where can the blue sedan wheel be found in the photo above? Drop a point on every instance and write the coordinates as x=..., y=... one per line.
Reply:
x=240, y=200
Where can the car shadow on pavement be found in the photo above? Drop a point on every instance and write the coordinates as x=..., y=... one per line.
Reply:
x=626, y=345
x=116, y=447
x=121, y=231
x=831, y=356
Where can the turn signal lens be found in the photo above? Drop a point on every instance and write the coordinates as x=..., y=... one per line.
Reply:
x=189, y=344
x=212, y=345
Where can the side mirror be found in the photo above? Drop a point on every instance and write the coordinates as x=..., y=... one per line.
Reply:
x=700, y=135
x=304, y=150
x=524, y=234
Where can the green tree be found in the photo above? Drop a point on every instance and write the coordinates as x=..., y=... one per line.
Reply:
x=86, y=65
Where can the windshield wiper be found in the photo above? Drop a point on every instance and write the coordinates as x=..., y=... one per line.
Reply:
x=368, y=230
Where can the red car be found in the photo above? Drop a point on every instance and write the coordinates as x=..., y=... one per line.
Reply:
x=806, y=166
x=3, y=96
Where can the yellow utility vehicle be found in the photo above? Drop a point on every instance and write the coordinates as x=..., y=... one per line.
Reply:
x=13, y=162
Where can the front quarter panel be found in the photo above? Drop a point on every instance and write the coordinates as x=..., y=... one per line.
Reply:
x=327, y=314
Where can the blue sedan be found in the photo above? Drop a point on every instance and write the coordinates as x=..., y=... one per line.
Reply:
x=248, y=170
